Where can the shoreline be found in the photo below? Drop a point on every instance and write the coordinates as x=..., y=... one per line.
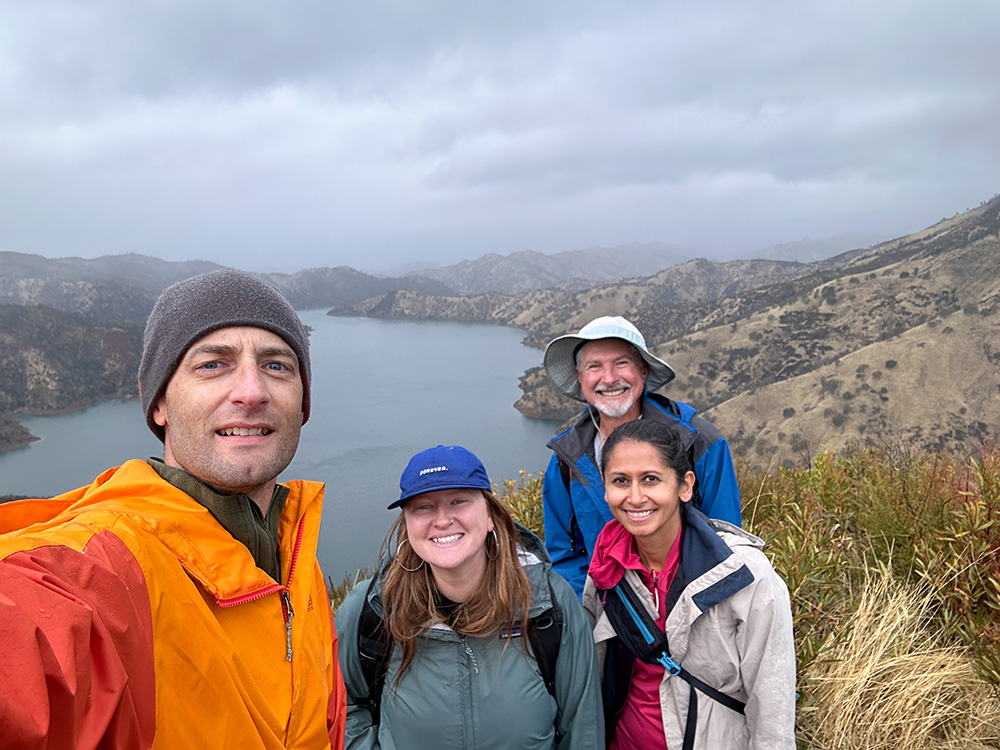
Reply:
x=27, y=438
x=4, y=447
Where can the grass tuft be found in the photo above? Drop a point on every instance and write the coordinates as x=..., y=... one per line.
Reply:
x=894, y=683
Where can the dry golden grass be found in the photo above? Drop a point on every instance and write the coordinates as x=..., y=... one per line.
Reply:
x=893, y=685
x=339, y=593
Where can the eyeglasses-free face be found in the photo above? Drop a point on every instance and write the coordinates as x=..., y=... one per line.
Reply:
x=447, y=529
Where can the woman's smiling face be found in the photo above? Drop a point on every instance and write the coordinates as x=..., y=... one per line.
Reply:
x=447, y=529
x=644, y=493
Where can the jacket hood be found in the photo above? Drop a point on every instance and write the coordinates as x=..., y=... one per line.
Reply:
x=536, y=564
x=531, y=546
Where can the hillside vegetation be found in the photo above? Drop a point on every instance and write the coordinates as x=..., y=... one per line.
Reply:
x=50, y=360
x=892, y=560
x=900, y=341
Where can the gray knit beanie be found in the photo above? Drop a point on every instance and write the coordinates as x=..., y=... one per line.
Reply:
x=189, y=309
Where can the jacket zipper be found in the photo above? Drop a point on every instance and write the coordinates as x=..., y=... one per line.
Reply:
x=287, y=613
x=656, y=595
x=472, y=656
x=286, y=599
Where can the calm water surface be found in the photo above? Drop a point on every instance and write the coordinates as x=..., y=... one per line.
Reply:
x=382, y=390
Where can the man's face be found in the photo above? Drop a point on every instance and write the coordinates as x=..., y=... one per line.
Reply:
x=232, y=411
x=611, y=376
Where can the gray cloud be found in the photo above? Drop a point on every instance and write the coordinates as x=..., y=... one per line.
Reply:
x=281, y=136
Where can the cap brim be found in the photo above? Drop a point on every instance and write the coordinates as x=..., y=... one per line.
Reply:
x=450, y=486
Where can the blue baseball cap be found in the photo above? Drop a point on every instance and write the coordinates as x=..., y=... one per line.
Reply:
x=446, y=467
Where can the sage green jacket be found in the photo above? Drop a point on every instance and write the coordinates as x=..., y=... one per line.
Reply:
x=471, y=693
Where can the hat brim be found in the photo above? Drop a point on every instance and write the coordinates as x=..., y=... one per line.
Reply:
x=450, y=486
x=560, y=364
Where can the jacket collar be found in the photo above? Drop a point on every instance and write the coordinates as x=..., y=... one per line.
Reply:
x=614, y=553
x=578, y=440
x=709, y=570
x=617, y=551
x=207, y=552
x=237, y=513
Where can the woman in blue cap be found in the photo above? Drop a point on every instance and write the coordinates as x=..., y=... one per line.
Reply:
x=466, y=638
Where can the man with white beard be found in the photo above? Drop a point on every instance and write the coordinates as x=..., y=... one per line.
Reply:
x=608, y=365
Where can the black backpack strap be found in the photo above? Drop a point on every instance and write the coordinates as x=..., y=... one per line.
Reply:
x=374, y=650
x=717, y=695
x=616, y=680
x=576, y=543
x=565, y=472
x=545, y=635
x=691, y=725
x=641, y=636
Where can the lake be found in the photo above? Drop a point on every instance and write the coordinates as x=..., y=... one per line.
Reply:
x=382, y=390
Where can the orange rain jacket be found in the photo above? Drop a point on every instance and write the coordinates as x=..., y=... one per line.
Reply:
x=130, y=618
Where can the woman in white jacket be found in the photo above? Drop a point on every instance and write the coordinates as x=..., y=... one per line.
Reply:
x=696, y=600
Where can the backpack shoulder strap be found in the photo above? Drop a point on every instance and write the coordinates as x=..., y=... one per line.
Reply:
x=641, y=636
x=545, y=634
x=374, y=649
x=565, y=471
x=576, y=543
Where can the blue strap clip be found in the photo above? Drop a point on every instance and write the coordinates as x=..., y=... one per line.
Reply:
x=671, y=666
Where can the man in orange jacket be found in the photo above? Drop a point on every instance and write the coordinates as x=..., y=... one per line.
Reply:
x=179, y=603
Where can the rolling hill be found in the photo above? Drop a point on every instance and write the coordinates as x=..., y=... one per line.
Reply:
x=897, y=343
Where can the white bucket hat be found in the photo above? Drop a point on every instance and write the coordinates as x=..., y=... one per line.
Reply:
x=560, y=354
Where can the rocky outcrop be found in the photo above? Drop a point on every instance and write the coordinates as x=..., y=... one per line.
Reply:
x=13, y=435
x=541, y=400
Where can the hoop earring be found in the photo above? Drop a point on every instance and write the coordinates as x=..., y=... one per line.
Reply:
x=408, y=570
x=496, y=541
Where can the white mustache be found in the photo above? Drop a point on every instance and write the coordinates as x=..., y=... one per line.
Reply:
x=612, y=387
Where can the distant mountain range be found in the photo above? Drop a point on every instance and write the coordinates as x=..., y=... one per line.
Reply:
x=898, y=341
x=807, y=251
x=528, y=270
x=121, y=289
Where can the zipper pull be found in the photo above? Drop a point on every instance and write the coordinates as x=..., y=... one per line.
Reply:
x=289, y=613
x=656, y=593
x=471, y=655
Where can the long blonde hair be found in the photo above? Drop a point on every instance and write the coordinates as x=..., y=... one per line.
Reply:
x=503, y=595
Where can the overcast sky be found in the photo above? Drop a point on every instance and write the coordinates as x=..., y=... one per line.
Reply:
x=277, y=136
